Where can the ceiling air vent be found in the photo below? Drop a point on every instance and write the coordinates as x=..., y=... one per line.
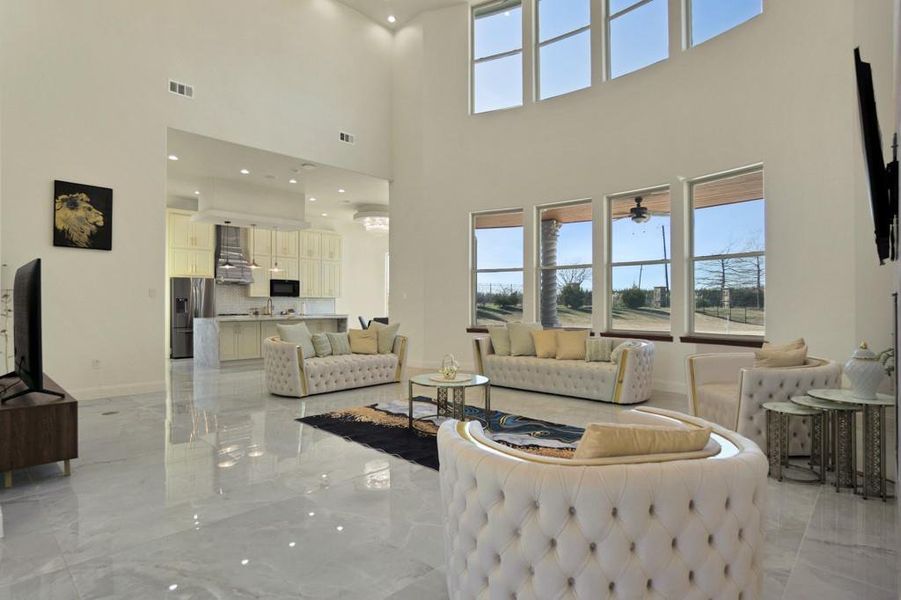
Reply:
x=181, y=89
x=347, y=138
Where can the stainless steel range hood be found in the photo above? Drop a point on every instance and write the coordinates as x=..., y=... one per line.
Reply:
x=230, y=251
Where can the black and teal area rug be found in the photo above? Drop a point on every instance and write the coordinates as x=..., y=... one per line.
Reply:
x=383, y=427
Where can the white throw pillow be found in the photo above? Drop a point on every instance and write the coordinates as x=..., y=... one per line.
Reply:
x=500, y=339
x=298, y=334
x=521, y=342
x=387, y=333
x=597, y=349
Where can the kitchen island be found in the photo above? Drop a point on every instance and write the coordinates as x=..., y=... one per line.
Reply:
x=228, y=338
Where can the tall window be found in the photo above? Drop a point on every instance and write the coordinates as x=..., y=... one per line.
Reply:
x=637, y=34
x=497, y=247
x=729, y=266
x=564, y=265
x=564, y=46
x=496, y=55
x=709, y=18
x=640, y=274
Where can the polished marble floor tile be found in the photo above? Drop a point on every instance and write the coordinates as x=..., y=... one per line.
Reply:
x=213, y=490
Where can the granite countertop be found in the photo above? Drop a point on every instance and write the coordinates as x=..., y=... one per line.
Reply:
x=295, y=317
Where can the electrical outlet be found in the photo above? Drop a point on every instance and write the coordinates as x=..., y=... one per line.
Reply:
x=95, y=364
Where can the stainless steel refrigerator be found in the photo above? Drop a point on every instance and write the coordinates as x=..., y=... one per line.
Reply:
x=189, y=298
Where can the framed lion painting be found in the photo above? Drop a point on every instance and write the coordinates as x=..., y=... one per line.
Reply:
x=82, y=216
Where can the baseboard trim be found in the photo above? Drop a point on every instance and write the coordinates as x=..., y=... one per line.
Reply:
x=675, y=387
x=124, y=389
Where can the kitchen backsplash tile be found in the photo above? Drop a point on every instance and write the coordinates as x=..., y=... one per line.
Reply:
x=234, y=299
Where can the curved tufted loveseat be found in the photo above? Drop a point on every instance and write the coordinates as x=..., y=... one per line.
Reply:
x=520, y=526
x=728, y=389
x=289, y=373
x=626, y=382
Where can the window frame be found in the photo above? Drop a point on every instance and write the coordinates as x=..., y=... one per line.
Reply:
x=474, y=259
x=473, y=61
x=608, y=50
x=559, y=38
x=688, y=10
x=691, y=259
x=610, y=264
x=539, y=268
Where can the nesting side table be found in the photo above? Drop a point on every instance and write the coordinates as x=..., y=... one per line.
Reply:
x=874, y=483
x=778, y=415
x=839, y=433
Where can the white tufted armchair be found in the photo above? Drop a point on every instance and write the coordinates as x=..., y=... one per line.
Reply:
x=627, y=382
x=289, y=373
x=727, y=389
x=520, y=526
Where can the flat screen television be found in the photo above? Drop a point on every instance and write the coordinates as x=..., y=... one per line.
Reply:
x=28, y=363
x=882, y=178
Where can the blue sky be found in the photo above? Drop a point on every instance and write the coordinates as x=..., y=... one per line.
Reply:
x=638, y=38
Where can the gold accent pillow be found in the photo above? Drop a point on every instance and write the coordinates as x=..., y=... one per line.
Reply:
x=545, y=341
x=793, y=345
x=364, y=341
x=774, y=357
x=604, y=440
x=571, y=344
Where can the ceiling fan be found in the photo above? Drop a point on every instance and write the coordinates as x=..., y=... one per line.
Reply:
x=639, y=213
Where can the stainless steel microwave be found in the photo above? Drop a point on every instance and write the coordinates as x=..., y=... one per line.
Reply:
x=284, y=288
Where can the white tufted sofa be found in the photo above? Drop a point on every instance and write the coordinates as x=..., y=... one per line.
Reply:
x=289, y=373
x=626, y=382
x=519, y=526
x=727, y=389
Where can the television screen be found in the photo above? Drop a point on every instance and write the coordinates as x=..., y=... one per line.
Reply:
x=882, y=187
x=27, y=325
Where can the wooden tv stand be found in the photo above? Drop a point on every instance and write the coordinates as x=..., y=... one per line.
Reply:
x=36, y=429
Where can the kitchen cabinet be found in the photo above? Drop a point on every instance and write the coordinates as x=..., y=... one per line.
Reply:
x=312, y=257
x=330, y=286
x=330, y=244
x=310, y=244
x=190, y=263
x=260, y=286
x=184, y=233
x=190, y=246
x=310, y=277
x=239, y=340
x=286, y=244
x=261, y=242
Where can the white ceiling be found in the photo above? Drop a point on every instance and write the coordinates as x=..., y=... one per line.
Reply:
x=403, y=10
x=201, y=159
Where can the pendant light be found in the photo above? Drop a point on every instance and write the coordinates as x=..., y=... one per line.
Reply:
x=275, y=268
x=228, y=264
x=253, y=260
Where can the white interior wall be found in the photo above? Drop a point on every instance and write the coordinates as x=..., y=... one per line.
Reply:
x=274, y=74
x=754, y=94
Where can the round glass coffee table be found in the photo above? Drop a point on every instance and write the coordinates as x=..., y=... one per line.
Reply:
x=454, y=406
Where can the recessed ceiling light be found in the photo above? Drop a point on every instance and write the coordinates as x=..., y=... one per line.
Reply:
x=292, y=181
x=324, y=214
x=196, y=192
x=173, y=157
x=245, y=172
x=392, y=19
x=341, y=190
x=312, y=199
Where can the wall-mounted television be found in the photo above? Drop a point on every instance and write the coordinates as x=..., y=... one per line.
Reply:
x=882, y=178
